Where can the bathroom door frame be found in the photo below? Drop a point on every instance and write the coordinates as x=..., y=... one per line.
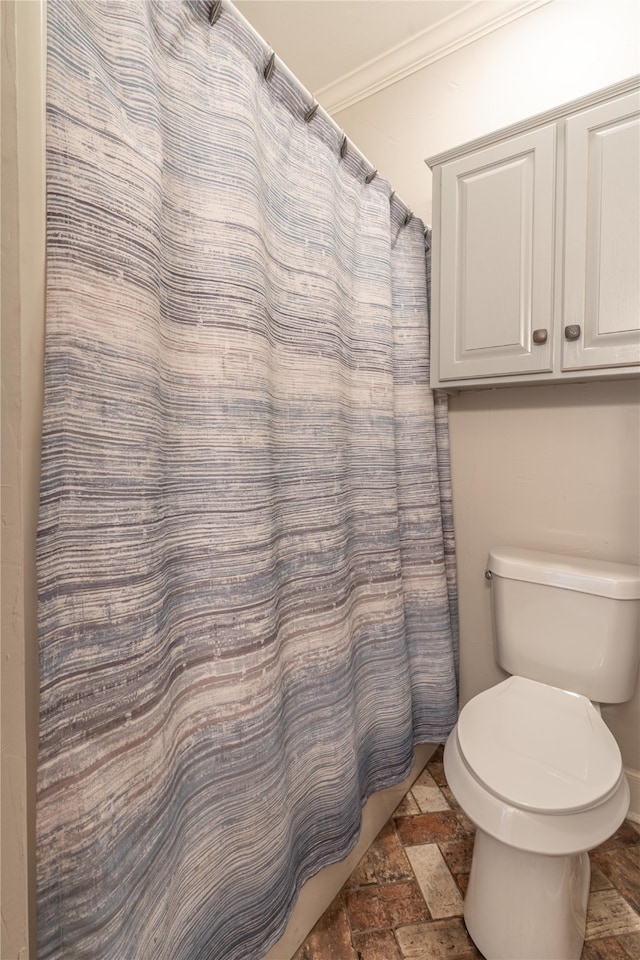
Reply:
x=22, y=298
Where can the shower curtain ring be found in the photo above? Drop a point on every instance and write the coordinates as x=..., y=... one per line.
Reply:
x=311, y=112
x=371, y=176
x=216, y=10
x=408, y=218
x=343, y=148
x=270, y=67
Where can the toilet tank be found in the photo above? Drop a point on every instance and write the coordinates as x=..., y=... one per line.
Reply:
x=566, y=621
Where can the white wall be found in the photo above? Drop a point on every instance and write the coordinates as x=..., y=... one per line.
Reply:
x=550, y=466
x=557, y=53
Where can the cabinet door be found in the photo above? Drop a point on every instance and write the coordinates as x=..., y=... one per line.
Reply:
x=496, y=264
x=602, y=236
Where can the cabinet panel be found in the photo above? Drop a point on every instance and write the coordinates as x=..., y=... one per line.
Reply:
x=602, y=235
x=496, y=262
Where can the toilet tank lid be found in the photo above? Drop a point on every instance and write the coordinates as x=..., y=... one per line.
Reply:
x=619, y=581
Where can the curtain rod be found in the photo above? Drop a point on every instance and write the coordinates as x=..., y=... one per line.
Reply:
x=315, y=108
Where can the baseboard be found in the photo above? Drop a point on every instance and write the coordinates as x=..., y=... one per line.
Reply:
x=633, y=776
x=317, y=893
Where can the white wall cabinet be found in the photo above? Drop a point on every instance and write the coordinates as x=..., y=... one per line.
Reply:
x=536, y=248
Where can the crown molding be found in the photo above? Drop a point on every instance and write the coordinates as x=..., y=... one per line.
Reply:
x=461, y=28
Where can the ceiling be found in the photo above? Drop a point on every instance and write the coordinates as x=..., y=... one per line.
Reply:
x=323, y=40
x=345, y=50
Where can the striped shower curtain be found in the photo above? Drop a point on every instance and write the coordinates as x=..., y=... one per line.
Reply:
x=245, y=554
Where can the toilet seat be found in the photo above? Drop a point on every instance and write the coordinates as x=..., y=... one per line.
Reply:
x=539, y=748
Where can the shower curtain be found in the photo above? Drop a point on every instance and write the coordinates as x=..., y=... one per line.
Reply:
x=245, y=556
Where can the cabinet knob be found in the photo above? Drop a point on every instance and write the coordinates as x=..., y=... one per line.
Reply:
x=540, y=336
x=572, y=332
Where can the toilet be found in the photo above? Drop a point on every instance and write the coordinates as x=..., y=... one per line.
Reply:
x=531, y=761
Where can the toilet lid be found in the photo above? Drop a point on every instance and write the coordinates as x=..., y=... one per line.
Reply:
x=539, y=748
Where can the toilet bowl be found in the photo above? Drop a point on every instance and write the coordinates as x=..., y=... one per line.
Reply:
x=539, y=773
x=531, y=761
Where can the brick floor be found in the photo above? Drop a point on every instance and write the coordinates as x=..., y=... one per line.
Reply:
x=404, y=899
